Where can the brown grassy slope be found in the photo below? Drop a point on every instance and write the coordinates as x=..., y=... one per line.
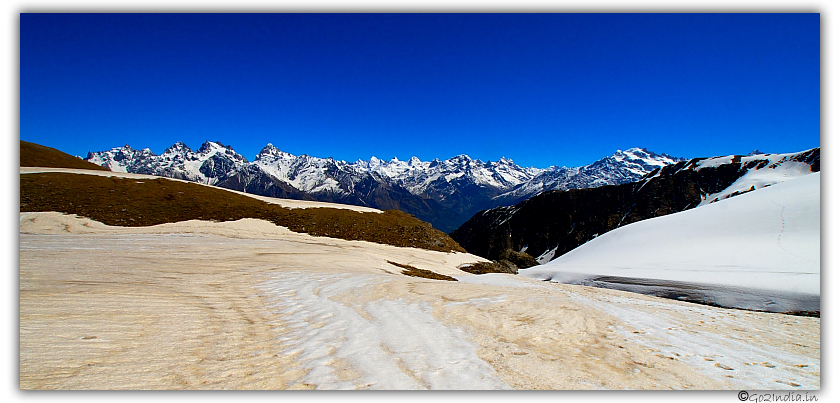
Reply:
x=133, y=202
x=36, y=155
x=487, y=267
x=416, y=272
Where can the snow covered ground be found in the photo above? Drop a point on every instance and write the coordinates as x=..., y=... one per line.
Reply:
x=249, y=305
x=759, y=250
x=386, y=344
x=779, y=168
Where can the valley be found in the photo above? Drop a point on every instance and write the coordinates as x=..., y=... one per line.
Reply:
x=191, y=286
x=441, y=198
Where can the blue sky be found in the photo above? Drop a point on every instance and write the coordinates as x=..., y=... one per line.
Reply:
x=542, y=89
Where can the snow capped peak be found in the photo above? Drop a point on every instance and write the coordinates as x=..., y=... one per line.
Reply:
x=634, y=152
x=215, y=149
x=270, y=153
x=211, y=146
x=178, y=147
x=462, y=160
x=210, y=164
x=459, y=183
x=118, y=159
x=623, y=166
x=640, y=152
x=644, y=158
x=269, y=149
x=214, y=162
x=124, y=149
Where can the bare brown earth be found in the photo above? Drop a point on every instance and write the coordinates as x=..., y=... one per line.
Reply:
x=245, y=305
x=36, y=155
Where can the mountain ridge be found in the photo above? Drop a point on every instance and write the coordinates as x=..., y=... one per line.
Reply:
x=443, y=192
x=553, y=223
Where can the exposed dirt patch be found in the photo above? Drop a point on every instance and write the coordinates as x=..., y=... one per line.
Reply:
x=415, y=272
x=487, y=267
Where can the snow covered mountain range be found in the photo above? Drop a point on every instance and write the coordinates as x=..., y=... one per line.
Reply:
x=443, y=192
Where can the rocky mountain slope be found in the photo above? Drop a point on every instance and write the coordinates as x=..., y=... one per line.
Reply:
x=553, y=223
x=445, y=193
x=211, y=163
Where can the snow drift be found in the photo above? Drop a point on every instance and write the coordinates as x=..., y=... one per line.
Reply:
x=759, y=251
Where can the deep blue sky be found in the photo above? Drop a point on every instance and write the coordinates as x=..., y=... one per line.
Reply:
x=542, y=89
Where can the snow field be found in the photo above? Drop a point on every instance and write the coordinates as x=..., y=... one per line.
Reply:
x=322, y=313
x=756, y=178
x=388, y=344
x=759, y=251
x=690, y=334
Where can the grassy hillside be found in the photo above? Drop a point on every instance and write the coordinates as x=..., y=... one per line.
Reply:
x=132, y=202
x=36, y=155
